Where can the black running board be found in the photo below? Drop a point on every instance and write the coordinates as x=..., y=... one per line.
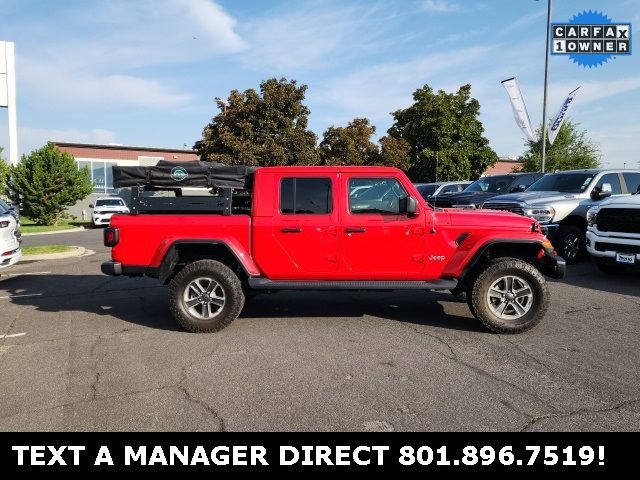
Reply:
x=266, y=284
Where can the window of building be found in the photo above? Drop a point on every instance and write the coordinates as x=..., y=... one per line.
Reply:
x=100, y=173
x=310, y=196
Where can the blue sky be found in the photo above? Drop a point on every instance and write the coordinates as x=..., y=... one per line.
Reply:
x=145, y=72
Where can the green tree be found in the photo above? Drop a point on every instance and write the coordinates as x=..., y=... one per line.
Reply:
x=572, y=149
x=4, y=175
x=444, y=133
x=350, y=145
x=263, y=129
x=48, y=181
x=394, y=152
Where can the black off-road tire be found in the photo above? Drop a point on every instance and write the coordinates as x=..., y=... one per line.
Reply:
x=566, y=246
x=225, y=277
x=483, y=279
x=611, y=269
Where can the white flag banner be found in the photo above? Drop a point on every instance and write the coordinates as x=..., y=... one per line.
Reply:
x=519, y=108
x=562, y=114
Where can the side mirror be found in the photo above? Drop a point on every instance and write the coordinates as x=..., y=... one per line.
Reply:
x=91, y=205
x=599, y=193
x=412, y=206
x=521, y=188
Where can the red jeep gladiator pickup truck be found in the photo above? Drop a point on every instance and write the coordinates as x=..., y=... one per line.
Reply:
x=323, y=228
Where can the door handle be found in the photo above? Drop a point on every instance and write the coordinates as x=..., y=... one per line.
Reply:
x=356, y=230
x=291, y=230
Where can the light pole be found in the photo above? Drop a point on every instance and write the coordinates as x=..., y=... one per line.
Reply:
x=544, y=101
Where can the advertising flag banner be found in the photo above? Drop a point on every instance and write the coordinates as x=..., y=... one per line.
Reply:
x=562, y=114
x=519, y=108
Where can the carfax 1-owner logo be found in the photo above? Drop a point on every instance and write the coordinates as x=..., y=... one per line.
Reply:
x=591, y=39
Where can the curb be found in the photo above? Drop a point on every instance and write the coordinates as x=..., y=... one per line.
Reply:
x=76, y=252
x=68, y=230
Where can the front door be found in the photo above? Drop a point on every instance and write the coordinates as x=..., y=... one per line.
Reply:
x=378, y=242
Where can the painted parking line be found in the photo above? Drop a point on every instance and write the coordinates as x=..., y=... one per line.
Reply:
x=25, y=295
x=25, y=273
x=13, y=335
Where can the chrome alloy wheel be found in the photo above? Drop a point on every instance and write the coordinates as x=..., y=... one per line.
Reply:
x=204, y=298
x=510, y=297
x=571, y=247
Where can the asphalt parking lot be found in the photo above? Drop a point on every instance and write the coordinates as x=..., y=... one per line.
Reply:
x=83, y=351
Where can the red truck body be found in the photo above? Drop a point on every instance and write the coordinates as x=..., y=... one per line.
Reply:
x=339, y=246
x=393, y=247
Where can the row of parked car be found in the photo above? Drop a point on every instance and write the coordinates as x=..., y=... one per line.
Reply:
x=580, y=210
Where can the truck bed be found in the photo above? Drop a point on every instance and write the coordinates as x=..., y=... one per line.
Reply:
x=149, y=236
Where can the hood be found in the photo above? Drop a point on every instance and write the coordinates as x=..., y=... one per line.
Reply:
x=536, y=197
x=490, y=219
x=466, y=198
x=631, y=201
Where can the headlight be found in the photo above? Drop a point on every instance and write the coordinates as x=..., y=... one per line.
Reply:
x=592, y=216
x=543, y=214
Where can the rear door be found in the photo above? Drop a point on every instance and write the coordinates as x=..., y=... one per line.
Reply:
x=377, y=242
x=304, y=235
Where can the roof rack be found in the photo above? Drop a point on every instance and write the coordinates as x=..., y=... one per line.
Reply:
x=221, y=203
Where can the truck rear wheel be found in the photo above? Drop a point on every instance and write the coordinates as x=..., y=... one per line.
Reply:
x=205, y=296
x=508, y=295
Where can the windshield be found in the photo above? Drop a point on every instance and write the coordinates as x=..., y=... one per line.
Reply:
x=499, y=184
x=427, y=190
x=112, y=202
x=562, y=182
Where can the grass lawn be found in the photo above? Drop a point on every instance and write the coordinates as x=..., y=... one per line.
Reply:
x=28, y=226
x=43, y=249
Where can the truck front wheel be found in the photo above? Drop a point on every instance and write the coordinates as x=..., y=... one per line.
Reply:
x=508, y=295
x=205, y=296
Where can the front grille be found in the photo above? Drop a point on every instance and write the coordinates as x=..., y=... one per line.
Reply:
x=617, y=247
x=625, y=220
x=505, y=206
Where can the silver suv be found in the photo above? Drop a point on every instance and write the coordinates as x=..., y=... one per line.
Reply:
x=560, y=201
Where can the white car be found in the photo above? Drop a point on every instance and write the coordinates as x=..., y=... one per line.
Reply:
x=105, y=208
x=10, y=252
x=613, y=233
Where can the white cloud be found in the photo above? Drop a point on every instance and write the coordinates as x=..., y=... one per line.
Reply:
x=440, y=6
x=57, y=84
x=319, y=36
x=105, y=68
x=377, y=91
x=30, y=138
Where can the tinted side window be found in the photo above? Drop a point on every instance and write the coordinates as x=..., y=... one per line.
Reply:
x=613, y=180
x=632, y=180
x=525, y=180
x=310, y=196
x=449, y=189
x=380, y=195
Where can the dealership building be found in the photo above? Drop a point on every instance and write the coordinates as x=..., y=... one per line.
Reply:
x=100, y=159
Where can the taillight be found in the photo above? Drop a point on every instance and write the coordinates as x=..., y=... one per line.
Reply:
x=4, y=224
x=111, y=236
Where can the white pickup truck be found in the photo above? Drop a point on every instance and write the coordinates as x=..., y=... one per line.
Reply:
x=613, y=233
